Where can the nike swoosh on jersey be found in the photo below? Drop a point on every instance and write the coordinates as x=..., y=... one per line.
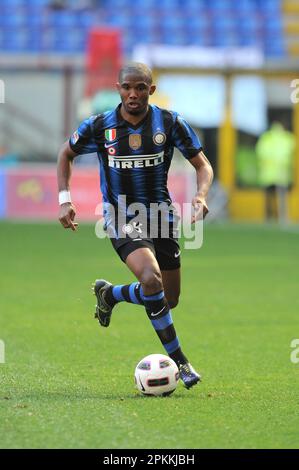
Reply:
x=160, y=311
x=110, y=144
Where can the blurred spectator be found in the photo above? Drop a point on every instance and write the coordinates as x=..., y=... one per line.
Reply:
x=275, y=153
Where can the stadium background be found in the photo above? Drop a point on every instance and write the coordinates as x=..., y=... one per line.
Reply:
x=227, y=67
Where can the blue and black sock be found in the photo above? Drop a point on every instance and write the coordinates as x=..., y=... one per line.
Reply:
x=159, y=314
x=131, y=293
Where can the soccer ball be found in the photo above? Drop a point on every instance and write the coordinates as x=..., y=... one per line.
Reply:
x=156, y=374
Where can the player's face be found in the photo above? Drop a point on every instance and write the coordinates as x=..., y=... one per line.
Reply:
x=134, y=92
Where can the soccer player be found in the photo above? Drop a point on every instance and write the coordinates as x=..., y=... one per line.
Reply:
x=135, y=144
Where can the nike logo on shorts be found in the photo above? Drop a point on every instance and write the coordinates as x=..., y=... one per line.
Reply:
x=176, y=255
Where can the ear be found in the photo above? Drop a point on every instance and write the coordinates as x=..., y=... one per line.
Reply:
x=118, y=86
x=152, y=89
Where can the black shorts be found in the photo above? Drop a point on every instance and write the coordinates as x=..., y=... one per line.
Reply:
x=166, y=250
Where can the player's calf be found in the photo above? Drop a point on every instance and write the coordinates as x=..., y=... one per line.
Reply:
x=172, y=302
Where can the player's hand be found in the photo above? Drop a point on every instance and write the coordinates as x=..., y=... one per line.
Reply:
x=200, y=208
x=67, y=214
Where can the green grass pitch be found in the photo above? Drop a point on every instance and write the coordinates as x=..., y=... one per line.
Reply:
x=68, y=383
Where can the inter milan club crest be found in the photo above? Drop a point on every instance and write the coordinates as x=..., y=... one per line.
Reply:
x=110, y=134
x=159, y=138
x=135, y=141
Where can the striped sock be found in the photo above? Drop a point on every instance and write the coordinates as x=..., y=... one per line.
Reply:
x=159, y=313
x=131, y=293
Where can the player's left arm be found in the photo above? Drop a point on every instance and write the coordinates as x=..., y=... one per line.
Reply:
x=204, y=176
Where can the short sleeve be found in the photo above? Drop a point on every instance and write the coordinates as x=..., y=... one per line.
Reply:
x=184, y=138
x=82, y=141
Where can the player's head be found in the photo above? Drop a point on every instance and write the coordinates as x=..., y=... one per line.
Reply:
x=135, y=85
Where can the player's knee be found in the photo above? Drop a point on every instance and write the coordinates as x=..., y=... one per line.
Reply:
x=151, y=280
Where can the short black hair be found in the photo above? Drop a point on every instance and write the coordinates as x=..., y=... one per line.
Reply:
x=136, y=68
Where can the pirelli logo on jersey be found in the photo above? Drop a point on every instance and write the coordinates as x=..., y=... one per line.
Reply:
x=136, y=161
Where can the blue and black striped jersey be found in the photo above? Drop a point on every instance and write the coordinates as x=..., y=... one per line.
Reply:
x=134, y=160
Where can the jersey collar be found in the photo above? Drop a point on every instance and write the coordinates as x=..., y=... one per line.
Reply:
x=121, y=120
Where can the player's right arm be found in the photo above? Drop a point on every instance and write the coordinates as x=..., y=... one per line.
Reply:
x=67, y=210
x=81, y=142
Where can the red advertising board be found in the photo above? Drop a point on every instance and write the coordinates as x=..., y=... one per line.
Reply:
x=31, y=192
x=178, y=187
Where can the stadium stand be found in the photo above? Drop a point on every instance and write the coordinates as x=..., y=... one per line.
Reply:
x=38, y=26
